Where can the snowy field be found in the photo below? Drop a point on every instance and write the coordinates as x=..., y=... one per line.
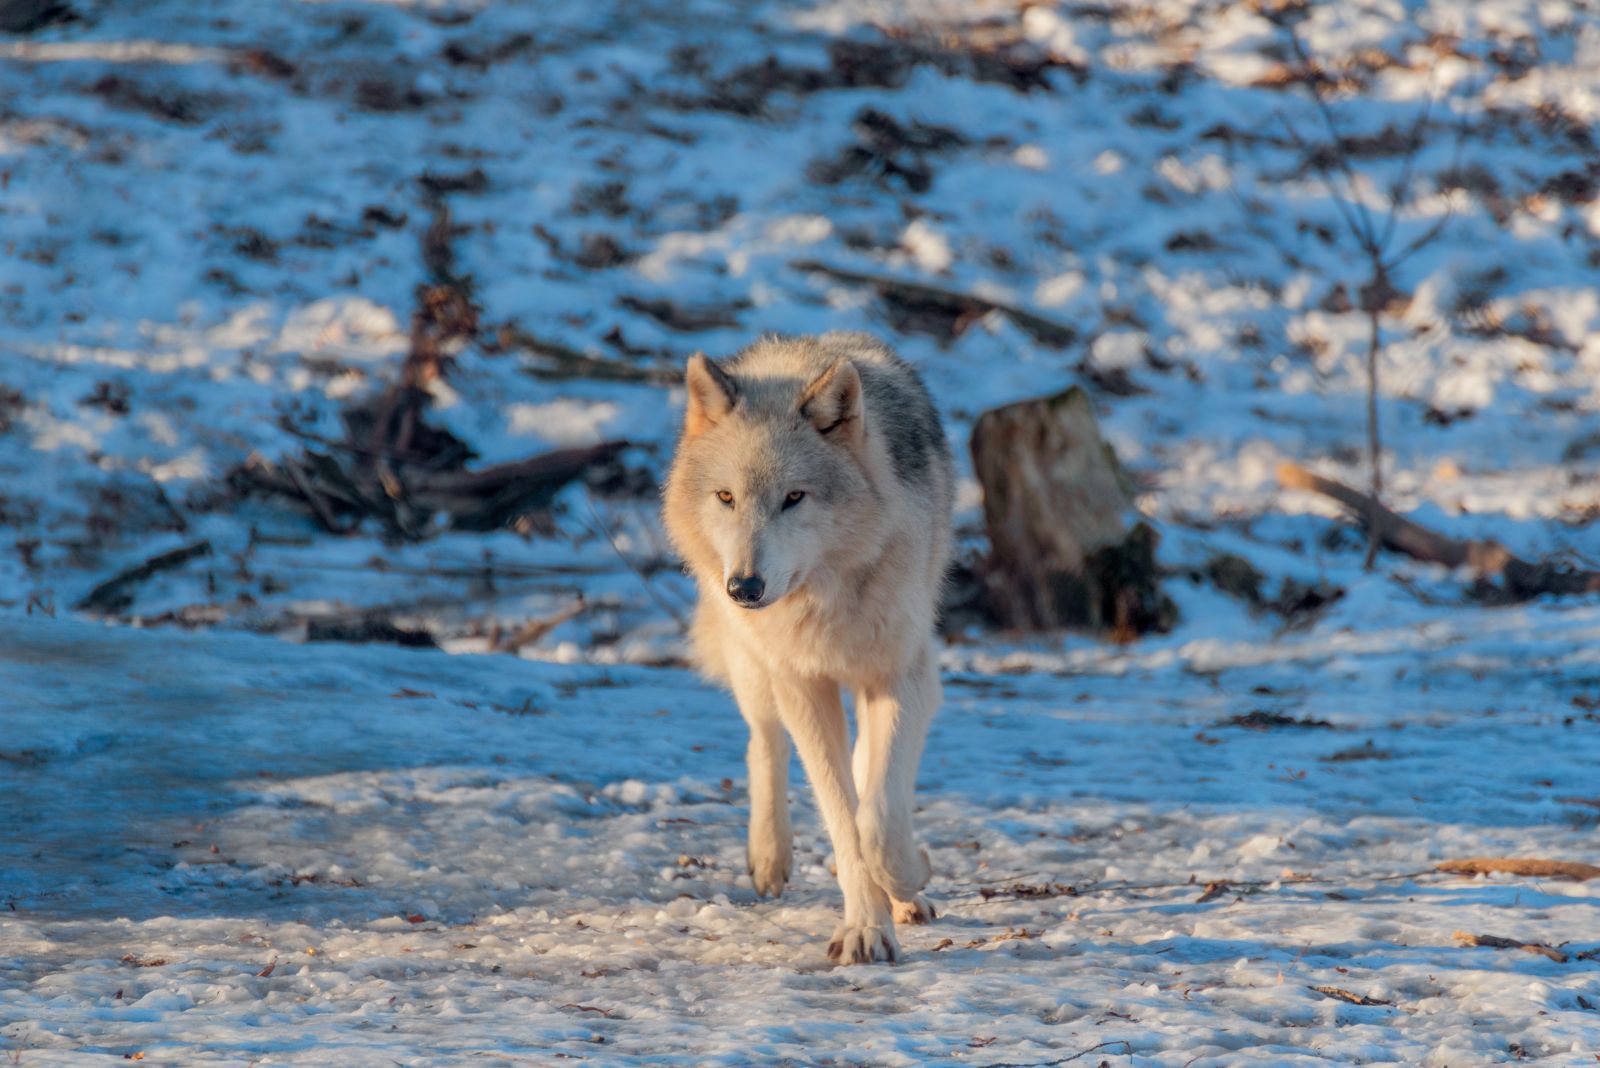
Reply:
x=223, y=843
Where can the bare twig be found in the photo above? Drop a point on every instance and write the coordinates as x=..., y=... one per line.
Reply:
x=113, y=594
x=1374, y=243
x=1127, y=1050
x=449, y=571
x=313, y=498
x=631, y=565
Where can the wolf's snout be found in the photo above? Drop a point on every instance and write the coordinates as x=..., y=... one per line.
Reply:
x=746, y=590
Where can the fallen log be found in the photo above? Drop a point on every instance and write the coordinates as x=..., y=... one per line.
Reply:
x=1066, y=548
x=961, y=308
x=1521, y=579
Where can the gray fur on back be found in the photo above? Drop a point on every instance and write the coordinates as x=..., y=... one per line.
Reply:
x=897, y=402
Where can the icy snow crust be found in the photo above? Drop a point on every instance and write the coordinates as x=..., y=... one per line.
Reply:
x=438, y=859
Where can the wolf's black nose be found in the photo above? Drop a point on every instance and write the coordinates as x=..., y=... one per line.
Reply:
x=747, y=590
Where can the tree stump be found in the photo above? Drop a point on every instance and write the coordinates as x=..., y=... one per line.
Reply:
x=1066, y=547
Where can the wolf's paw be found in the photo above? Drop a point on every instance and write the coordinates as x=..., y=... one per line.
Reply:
x=863, y=945
x=918, y=910
x=769, y=870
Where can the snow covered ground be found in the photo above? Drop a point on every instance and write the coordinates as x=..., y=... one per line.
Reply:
x=233, y=851
x=220, y=846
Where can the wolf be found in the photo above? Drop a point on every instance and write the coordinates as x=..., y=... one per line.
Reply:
x=810, y=497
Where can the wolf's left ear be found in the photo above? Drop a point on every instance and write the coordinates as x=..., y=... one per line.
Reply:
x=712, y=394
x=832, y=402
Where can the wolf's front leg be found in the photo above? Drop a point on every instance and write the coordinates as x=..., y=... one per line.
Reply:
x=892, y=725
x=771, y=841
x=814, y=715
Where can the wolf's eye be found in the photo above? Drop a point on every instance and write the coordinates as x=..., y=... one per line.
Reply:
x=725, y=497
x=794, y=498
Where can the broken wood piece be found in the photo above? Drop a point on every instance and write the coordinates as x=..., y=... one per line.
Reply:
x=1532, y=867
x=1340, y=994
x=1496, y=942
x=1488, y=559
x=1066, y=548
x=114, y=594
x=960, y=307
x=535, y=629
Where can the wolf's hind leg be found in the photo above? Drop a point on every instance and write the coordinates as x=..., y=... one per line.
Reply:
x=892, y=722
x=771, y=842
x=918, y=910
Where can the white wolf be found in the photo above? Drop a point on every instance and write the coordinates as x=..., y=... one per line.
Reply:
x=811, y=498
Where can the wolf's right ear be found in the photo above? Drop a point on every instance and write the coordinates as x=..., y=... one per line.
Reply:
x=712, y=395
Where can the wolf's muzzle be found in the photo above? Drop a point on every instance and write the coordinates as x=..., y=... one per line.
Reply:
x=746, y=590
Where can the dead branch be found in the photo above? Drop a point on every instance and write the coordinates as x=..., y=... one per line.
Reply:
x=1488, y=559
x=392, y=464
x=962, y=305
x=1496, y=942
x=114, y=594
x=1536, y=868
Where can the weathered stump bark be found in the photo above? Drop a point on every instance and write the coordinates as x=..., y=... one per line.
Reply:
x=1066, y=549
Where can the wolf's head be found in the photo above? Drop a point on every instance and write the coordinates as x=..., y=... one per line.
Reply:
x=767, y=491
